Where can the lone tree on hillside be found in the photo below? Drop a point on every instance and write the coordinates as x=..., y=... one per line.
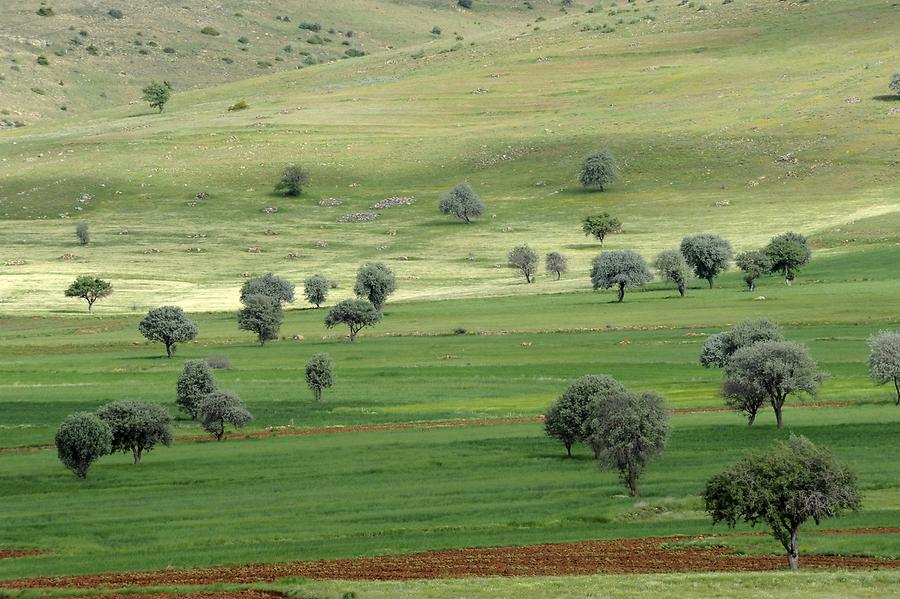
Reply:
x=293, y=179
x=754, y=264
x=671, y=266
x=601, y=225
x=598, y=170
x=462, y=202
x=718, y=348
x=375, y=282
x=220, y=408
x=137, y=426
x=83, y=233
x=525, y=260
x=157, y=94
x=623, y=269
x=319, y=374
x=195, y=382
x=169, y=325
x=261, y=314
x=894, y=85
x=568, y=418
x=315, y=290
x=707, y=254
x=556, y=263
x=631, y=429
x=884, y=359
x=787, y=253
x=783, y=487
x=90, y=289
x=281, y=290
x=774, y=369
x=744, y=399
x=356, y=314
x=82, y=438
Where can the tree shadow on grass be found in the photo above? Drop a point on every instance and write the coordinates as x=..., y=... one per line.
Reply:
x=562, y=457
x=887, y=98
x=145, y=113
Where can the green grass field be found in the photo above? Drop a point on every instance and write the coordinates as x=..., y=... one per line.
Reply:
x=698, y=106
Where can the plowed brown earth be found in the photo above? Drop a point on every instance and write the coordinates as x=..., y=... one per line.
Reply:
x=222, y=595
x=623, y=556
x=13, y=553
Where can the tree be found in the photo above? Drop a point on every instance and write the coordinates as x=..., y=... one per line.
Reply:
x=884, y=359
x=356, y=314
x=261, y=314
x=787, y=253
x=320, y=374
x=137, y=426
x=783, y=487
x=672, y=266
x=220, y=408
x=293, y=179
x=375, y=282
x=83, y=233
x=157, y=94
x=745, y=399
x=169, y=325
x=464, y=3
x=82, y=438
x=462, y=202
x=630, y=430
x=623, y=269
x=90, y=289
x=755, y=264
x=556, y=262
x=707, y=254
x=315, y=289
x=718, y=348
x=568, y=419
x=195, y=382
x=774, y=369
x=601, y=225
x=281, y=290
x=894, y=85
x=598, y=170
x=524, y=259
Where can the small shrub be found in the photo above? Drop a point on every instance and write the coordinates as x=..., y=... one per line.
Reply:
x=263, y=64
x=436, y=30
x=93, y=50
x=45, y=11
x=464, y=3
x=314, y=39
x=243, y=40
x=169, y=50
x=459, y=331
x=39, y=91
x=242, y=105
x=310, y=26
x=42, y=60
x=210, y=31
x=116, y=13
x=218, y=362
x=354, y=53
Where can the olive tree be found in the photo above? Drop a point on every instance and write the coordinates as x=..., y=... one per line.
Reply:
x=894, y=85
x=568, y=418
x=783, y=487
x=630, y=430
x=462, y=202
x=319, y=374
x=195, y=382
x=90, y=289
x=525, y=260
x=718, y=348
x=137, y=426
x=315, y=290
x=556, y=263
x=754, y=264
x=157, y=94
x=220, y=408
x=671, y=266
x=774, y=369
x=356, y=314
x=293, y=179
x=261, y=314
x=598, y=170
x=707, y=254
x=375, y=282
x=83, y=233
x=271, y=285
x=82, y=438
x=601, y=225
x=787, y=253
x=623, y=269
x=168, y=325
x=884, y=359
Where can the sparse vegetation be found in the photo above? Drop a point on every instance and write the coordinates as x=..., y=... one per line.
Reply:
x=158, y=94
x=598, y=170
x=292, y=181
x=462, y=202
x=601, y=225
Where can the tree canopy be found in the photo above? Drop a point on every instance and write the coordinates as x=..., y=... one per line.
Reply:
x=623, y=269
x=754, y=264
x=356, y=314
x=293, y=180
x=787, y=253
x=157, y=94
x=525, y=260
x=270, y=285
x=567, y=419
x=195, y=382
x=601, y=225
x=707, y=254
x=90, y=289
x=598, y=170
x=556, y=263
x=169, y=325
x=137, y=426
x=718, y=348
x=462, y=202
x=375, y=282
x=315, y=290
x=783, y=487
x=884, y=359
x=671, y=266
x=319, y=374
x=263, y=315
x=220, y=408
x=82, y=438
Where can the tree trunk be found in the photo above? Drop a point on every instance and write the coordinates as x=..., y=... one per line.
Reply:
x=777, y=405
x=220, y=433
x=897, y=387
x=710, y=281
x=621, y=292
x=632, y=483
x=318, y=395
x=169, y=350
x=596, y=452
x=569, y=449
x=466, y=218
x=558, y=275
x=137, y=454
x=793, y=555
x=788, y=282
x=681, y=289
x=751, y=419
x=601, y=240
x=262, y=341
x=527, y=276
x=90, y=307
x=352, y=335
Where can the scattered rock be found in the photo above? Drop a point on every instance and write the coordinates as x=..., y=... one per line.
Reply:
x=123, y=232
x=293, y=255
x=254, y=250
x=853, y=100
x=721, y=203
x=760, y=298
x=151, y=251
x=321, y=243
x=330, y=202
x=479, y=90
x=788, y=158
x=625, y=342
x=269, y=232
x=15, y=262
x=68, y=257
x=358, y=217
x=393, y=202
x=297, y=337
x=201, y=195
x=526, y=344
x=270, y=209
x=246, y=274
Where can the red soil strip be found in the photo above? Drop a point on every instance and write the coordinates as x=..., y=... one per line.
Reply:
x=622, y=556
x=222, y=595
x=303, y=432
x=14, y=553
